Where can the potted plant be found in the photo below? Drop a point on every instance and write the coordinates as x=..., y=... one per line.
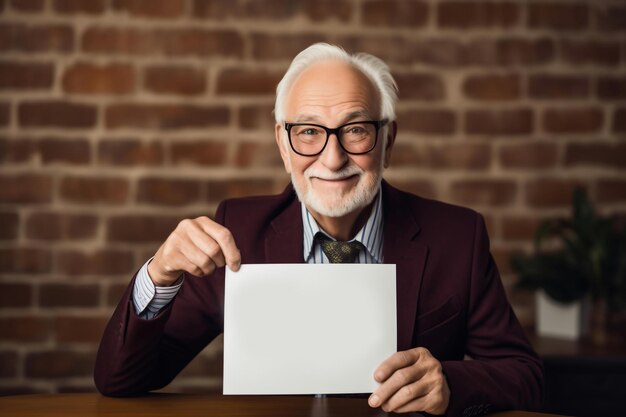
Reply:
x=578, y=264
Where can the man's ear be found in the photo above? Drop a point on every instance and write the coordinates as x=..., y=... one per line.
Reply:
x=391, y=139
x=282, y=147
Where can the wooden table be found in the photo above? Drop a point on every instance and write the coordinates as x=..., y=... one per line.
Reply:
x=201, y=405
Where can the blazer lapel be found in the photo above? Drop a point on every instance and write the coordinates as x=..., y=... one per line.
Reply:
x=283, y=243
x=402, y=249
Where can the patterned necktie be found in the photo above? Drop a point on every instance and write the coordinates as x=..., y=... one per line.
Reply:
x=339, y=252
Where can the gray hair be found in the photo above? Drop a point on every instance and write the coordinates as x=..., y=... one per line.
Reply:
x=372, y=67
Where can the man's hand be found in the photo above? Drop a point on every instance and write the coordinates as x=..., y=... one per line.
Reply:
x=197, y=246
x=411, y=380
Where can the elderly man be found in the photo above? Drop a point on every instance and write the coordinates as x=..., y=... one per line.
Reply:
x=335, y=129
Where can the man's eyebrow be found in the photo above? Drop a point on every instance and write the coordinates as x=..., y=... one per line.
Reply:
x=309, y=118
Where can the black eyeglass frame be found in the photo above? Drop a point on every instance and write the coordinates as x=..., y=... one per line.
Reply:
x=336, y=131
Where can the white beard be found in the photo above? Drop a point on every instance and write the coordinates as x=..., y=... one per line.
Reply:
x=338, y=204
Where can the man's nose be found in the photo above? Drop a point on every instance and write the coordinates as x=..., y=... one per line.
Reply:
x=333, y=156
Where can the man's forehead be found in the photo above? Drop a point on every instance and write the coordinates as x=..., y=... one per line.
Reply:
x=332, y=87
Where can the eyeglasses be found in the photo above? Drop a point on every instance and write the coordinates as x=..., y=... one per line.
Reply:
x=355, y=138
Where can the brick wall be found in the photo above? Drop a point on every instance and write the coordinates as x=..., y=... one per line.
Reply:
x=118, y=118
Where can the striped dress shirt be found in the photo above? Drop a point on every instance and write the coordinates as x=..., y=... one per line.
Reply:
x=150, y=299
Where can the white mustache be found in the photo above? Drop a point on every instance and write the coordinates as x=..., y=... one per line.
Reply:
x=349, y=171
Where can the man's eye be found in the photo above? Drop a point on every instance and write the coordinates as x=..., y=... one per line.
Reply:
x=308, y=131
x=356, y=130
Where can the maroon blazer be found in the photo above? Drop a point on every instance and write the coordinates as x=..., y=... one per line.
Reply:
x=450, y=300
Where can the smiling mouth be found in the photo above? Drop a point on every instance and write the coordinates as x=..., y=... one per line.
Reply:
x=350, y=177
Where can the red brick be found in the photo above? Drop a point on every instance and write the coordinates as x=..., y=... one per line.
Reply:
x=573, y=120
x=175, y=80
x=470, y=14
x=321, y=10
x=72, y=151
x=55, y=364
x=173, y=42
x=24, y=329
x=86, y=78
x=5, y=114
x=611, y=17
x=140, y=228
x=247, y=9
x=441, y=122
x=15, y=295
x=493, y=87
x=55, y=226
x=9, y=222
x=394, y=13
x=36, y=38
x=25, y=76
x=219, y=190
x=25, y=188
x=256, y=155
x=8, y=362
x=25, y=260
x=79, y=6
x=247, y=82
x=151, y=8
x=519, y=228
x=445, y=52
x=611, y=88
x=115, y=292
x=257, y=116
x=273, y=47
x=560, y=16
x=510, y=51
x=611, y=190
x=273, y=10
x=420, y=86
x=69, y=295
x=48, y=150
x=535, y=155
x=165, y=116
x=590, y=51
x=129, y=152
x=169, y=192
x=550, y=86
x=449, y=156
x=619, y=120
x=423, y=188
x=56, y=114
x=596, y=154
x=483, y=192
x=95, y=190
x=550, y=193
x=99, y=262
x=72, y=329
x=499, y=122
x=28, y=6
x=204, y=153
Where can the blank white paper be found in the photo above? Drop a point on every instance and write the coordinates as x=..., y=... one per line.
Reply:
x=307, y=329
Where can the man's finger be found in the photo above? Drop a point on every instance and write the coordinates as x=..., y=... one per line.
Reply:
x=401, y=379
x=396, y=361
x=225, y=239
x=207, y=244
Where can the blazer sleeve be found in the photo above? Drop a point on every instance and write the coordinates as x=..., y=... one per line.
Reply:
x=504, y=372
x=136, y=356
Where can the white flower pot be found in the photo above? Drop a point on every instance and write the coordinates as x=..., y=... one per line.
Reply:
x=564, y=321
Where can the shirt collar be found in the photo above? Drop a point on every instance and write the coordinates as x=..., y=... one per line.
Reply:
x=370, y=235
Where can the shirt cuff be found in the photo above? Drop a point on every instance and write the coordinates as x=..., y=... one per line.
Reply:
x=148, y=298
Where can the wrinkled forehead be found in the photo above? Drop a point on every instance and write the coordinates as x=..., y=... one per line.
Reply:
x=334, y=88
